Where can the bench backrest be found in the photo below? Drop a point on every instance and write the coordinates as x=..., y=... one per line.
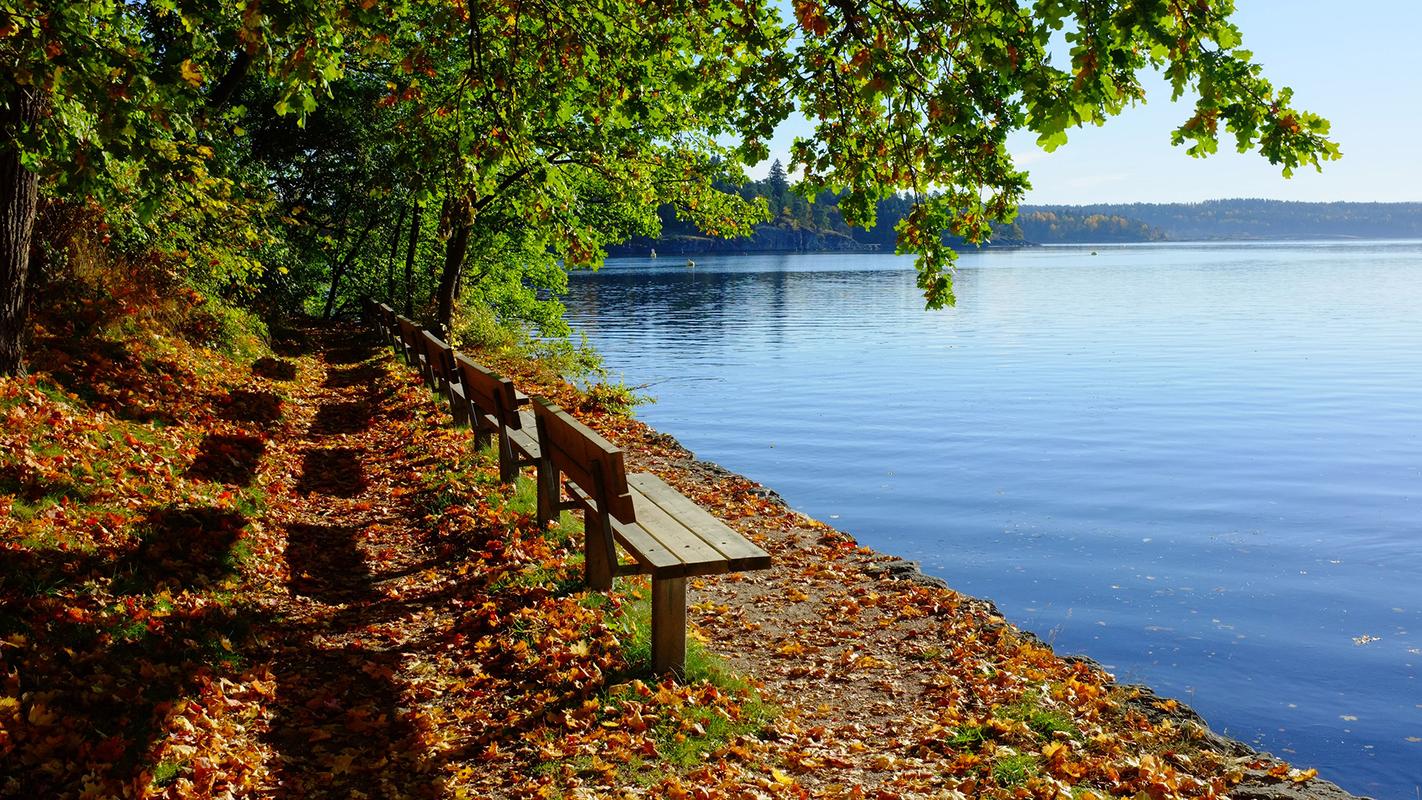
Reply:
x=491, y=393
x=591, y=462
x=440, y=357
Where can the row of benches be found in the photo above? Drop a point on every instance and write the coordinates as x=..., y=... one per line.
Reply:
x=668, y=536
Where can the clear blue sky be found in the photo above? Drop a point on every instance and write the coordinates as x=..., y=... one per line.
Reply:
x=1354, y=63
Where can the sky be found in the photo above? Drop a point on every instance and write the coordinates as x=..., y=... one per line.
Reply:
x=1355, y=64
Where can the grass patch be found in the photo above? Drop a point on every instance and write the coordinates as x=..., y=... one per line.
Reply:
x=929, y=653
x=634, y=627
x=165, y=772
x=1045, y=722
x=1014, y=770
x=686, y=740
x=970, y=737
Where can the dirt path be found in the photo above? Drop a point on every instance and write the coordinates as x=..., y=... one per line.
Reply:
x=341, y=722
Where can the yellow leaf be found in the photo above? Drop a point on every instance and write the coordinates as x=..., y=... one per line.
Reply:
x=781, y=778
x=190, y=73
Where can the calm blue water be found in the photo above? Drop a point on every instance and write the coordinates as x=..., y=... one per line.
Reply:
x=1199, y=464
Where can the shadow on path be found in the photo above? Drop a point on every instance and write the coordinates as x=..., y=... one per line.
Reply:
x=274, y=369
x=341, y=731
x=334, y=471
x=338, y=418
x=245, y=405
x=326, y=564
x=99, y=684
x=229, y=459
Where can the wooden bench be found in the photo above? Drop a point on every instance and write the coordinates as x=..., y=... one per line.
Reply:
x=388, y=326
x=440, y=358
x=413, y=347
x=669, y=537
x=497, y=411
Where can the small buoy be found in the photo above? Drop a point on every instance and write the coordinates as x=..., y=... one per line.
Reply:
x=690, y=264
x=653, y=254
x=1093, y=252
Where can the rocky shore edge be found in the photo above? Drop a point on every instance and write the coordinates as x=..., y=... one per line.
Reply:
x=1258, y=784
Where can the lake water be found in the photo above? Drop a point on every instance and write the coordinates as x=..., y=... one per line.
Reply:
x=1200, y=465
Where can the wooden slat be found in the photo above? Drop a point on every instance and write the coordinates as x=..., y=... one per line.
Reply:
x=483, y=422
x=525, y=442
x=654, y=559
x=491, y=392
x=699, y=557
x=409, y=331
x=579, y=452
x=437, y=353
x=526, y=420
x=739, y=552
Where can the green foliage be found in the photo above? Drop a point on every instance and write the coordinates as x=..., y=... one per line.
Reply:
x=969, y=737
x=479, y=327
x=614, y=397
x=165, y=772
x=279, y=153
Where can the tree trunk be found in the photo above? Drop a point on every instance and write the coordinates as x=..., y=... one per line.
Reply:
x=231, y=81
x=394, y=254
x=410, y=262
x=340, y=268
x=19, y=195
x=454, y=255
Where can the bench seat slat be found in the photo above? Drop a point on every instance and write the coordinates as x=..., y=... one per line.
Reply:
x=652, y=557
x=524, y=441
x=697, y=555
x=737, y=552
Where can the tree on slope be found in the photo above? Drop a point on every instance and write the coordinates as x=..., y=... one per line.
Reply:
x=107, y=102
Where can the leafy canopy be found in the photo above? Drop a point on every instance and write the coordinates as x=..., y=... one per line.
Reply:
x=548, y=129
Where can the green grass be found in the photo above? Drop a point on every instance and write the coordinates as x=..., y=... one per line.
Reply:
x=634, y=626
x=930, y=653
x=165, y=772
x=686, y=740
x=1045, y=722
x=1014, y=770
x=524, y=500
x=969, y=737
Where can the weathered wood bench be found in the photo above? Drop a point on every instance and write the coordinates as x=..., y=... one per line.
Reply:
x=497, y=412
x=389, y=328
x=669, y=537
x=440, y=358
x=412, y=347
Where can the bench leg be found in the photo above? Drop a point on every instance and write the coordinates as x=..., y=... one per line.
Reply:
x=598, y=554
x=548, y=493
x=669, y=626
x=508, y=462
x=458, y=410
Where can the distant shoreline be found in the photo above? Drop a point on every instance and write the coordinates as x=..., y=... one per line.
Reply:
x=673, y=254
x=1240, y=220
